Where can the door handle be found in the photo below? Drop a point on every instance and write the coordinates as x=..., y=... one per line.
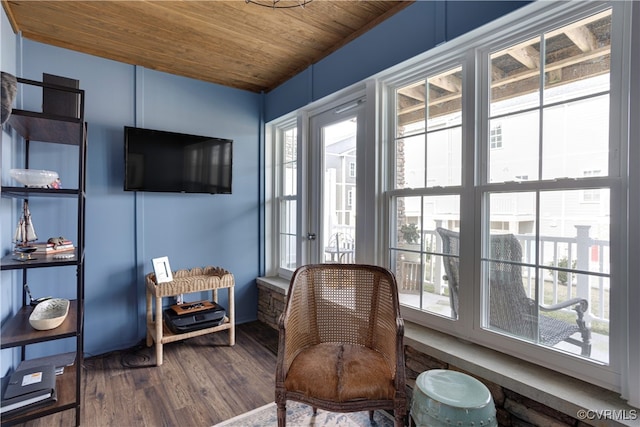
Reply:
x=311, y=236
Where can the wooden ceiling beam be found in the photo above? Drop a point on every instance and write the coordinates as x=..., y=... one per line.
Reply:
x=583, y=38
x=562, y=72
x=527, y=56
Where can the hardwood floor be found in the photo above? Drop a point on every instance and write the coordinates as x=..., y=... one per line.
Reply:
x=202, y=382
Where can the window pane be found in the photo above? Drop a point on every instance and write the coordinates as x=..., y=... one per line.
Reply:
x=444, y=157
x=410, y=111
x=416, y=254
x=514, y=155
x=288, y=229
x=515, y=78
x=289, y=164
x=576, y=138
x=410, y=158
x=575, y=55
x=445, y=99
x=575, y=251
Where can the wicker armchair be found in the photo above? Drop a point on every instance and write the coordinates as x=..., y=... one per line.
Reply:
x=510, y=309
x=341, y=341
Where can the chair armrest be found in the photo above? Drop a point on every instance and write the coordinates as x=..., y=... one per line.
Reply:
x=400, y=379
x=280, y=368
x=400, y=327
x=581, y=305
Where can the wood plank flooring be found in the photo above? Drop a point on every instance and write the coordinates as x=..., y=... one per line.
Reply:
x=201, y=382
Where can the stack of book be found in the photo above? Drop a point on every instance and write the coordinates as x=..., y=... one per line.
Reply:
x=29, y=388
x=50, y=248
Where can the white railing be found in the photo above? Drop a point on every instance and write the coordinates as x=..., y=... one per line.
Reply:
x=574, y=263
x=572, y=267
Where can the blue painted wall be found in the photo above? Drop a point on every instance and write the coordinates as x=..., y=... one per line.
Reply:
x=414, y=30
x=125, y=230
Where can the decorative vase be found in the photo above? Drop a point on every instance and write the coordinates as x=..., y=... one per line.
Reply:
x=9, y=88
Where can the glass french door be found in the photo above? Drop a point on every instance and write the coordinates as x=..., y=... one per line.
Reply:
x=332, y=211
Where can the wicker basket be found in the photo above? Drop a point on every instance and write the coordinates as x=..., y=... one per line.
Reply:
x=187, y=281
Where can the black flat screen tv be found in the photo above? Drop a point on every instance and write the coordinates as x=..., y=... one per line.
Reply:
x=174, y=162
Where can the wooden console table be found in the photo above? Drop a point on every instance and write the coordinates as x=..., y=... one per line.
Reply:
x=185, y=282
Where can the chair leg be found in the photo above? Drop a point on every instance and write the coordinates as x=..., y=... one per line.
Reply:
x=399, y=420
x=315, y=411
x=586, y=349
x=585, y=332
x=282, y=414
x=371, y=416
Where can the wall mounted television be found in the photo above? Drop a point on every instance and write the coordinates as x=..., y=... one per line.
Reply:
x=163, y=161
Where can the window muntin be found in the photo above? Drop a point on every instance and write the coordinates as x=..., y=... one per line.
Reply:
x=428, y=155
x=560, y=128
x=562, y=254
x=416, y=251
x=571, y=106
x=428, y=148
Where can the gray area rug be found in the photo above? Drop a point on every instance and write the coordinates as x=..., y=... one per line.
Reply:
x=301, y=415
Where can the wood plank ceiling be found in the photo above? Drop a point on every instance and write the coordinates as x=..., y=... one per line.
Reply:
x=232, y=43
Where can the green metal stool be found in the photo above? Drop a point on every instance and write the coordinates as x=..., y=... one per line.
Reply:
x=444, y=398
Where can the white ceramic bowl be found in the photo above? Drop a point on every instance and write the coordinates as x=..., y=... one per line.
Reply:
x=49, y=314
x=33, y=177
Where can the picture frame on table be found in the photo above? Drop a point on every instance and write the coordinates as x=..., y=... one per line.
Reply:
x=162, y=269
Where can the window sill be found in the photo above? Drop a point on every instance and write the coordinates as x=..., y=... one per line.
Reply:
x=276, y=284
x=560, y=392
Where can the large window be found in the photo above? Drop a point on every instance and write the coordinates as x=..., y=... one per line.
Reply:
x=428, y=173
x=282, y=160
x=505, y=166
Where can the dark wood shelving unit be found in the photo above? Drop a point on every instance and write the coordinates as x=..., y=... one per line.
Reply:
x=25, y=192
x=45, y=127
x=10, y=263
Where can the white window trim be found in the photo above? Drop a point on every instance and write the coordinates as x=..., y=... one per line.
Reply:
x=541, y=16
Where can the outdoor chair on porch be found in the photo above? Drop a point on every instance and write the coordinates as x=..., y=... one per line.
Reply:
x=341, y=249
x=341, y=342
x=510, y=309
